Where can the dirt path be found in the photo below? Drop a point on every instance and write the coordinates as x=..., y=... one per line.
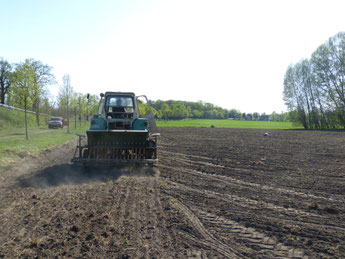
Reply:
x=216, y=193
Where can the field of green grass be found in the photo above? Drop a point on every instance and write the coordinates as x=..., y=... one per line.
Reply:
x=13, y=145
x=227, y=124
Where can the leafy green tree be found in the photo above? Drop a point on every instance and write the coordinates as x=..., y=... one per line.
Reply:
x=143, y=109
x=264, y=117
x=314, y=90
x=47, y=108
x=280, y=117
x=93, y=103
x=23, y=88
x=328, y=64
x=197, y=114
x=166, y=112
x=235, y=114
x=42, y=78
x=293, y=92
x=87, y=106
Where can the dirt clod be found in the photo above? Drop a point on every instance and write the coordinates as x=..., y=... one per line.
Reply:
x=313, y=205
x=89, y=237
x=74, y=229
x=331, y=210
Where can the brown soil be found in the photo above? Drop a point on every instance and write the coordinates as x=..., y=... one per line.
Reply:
x=216, y=193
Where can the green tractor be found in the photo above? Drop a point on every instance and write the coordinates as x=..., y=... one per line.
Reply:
x=123, y=131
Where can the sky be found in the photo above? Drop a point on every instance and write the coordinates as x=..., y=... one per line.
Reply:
x=233, y=54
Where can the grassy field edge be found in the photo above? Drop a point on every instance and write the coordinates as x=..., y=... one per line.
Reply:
x=14, y=148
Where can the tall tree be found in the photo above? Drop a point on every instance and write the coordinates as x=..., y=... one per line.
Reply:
x=65, y=96
x=293, y=93
x=328, y=63
x=43, y=77
x=5, y=79
x=314, y=89
x=23, y=89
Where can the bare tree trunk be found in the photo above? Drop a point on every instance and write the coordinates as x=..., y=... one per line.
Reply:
x=26, y=124
x=75, y=118
x=36, y=108
x=67, y=118
x=38, y=118
x=79, y=114
x=2, y=96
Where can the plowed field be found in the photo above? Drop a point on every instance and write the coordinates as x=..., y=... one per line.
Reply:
x=216, y=193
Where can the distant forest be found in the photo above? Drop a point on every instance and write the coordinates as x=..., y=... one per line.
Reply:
x=177, y=110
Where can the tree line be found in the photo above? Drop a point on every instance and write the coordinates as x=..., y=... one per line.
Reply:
x=314, y=89
x=25, y=85
x=177, y=110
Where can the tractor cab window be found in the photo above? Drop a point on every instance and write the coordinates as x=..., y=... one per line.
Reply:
x=120, y=101
x=119, y=106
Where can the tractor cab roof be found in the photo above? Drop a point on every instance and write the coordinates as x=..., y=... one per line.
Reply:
x=119, y=93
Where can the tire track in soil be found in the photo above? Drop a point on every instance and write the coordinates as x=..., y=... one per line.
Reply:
x=291, y=222
x=260, y=244
x=308, y=218
x=247, y=240
x=210, y=240
x=229, y=179
x=305, y=218
x=244, y=202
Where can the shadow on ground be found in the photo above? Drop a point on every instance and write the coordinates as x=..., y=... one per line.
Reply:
x=65, y=174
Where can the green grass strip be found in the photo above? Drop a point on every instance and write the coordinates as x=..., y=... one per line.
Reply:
x=13, y=145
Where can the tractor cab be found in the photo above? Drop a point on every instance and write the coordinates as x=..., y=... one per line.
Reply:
x=117, y=110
